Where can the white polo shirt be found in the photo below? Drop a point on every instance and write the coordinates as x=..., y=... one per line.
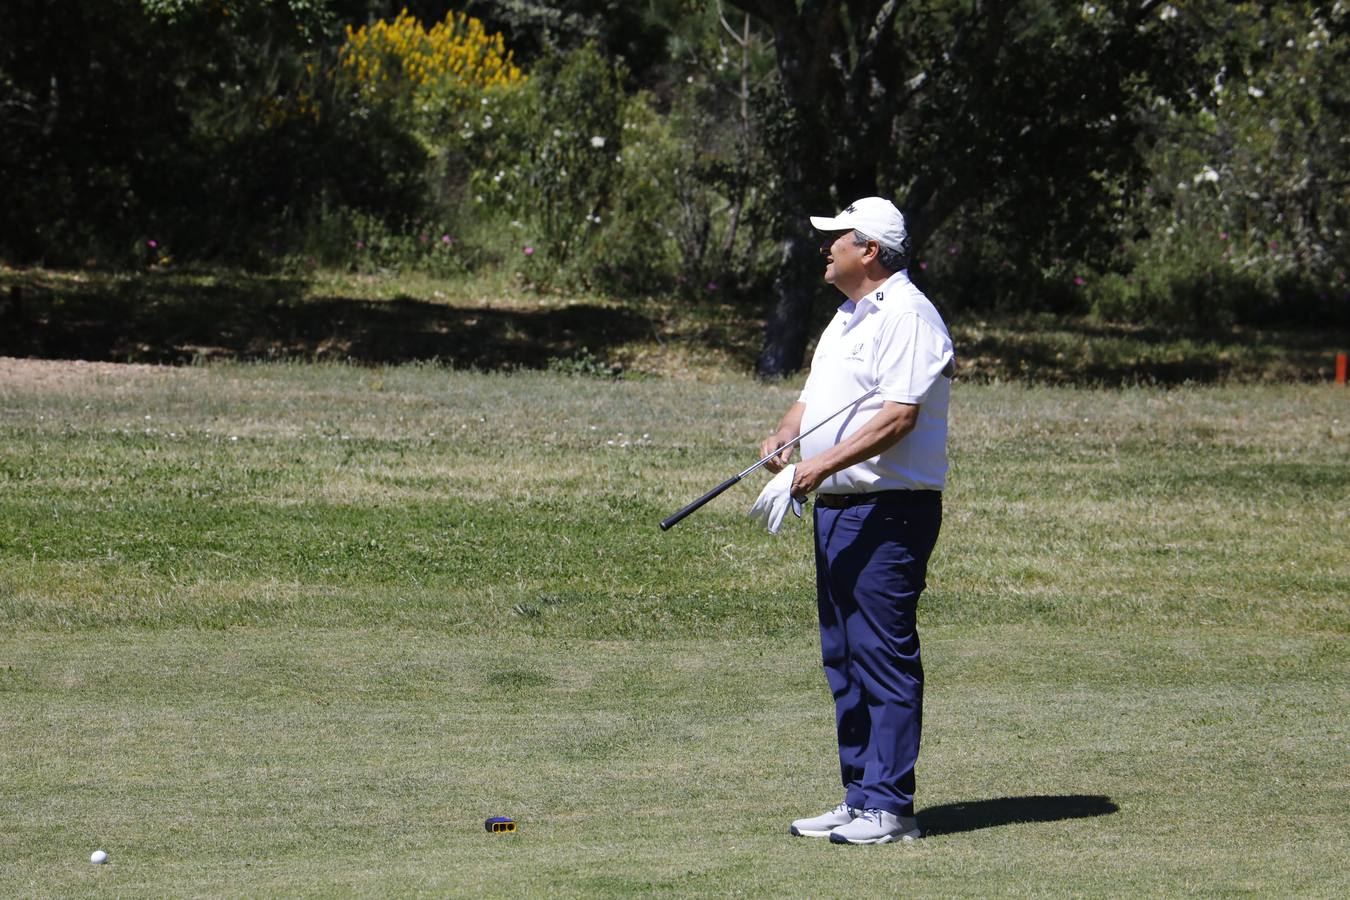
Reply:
x=894, y=338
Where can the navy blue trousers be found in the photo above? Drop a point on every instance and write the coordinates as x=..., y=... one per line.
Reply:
x=871, y=564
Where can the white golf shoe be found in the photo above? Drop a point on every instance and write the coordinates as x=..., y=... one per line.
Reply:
x=821, y=826
x=876, y=826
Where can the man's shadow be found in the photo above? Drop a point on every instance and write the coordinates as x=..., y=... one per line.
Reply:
x=954, y=818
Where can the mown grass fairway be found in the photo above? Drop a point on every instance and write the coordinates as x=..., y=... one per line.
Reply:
x=298, y=629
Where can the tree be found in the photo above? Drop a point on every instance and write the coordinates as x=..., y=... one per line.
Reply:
x=1023, y=117
x=134, y=118
x=632, y=32
x=87, y=106
x=1260, y=166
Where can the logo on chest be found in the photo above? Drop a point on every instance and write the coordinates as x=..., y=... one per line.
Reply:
x=855, y=353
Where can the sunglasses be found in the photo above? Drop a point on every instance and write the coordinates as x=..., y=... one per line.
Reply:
x=830, y=238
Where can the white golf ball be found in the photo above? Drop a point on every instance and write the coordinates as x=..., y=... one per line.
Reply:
x=98, y=857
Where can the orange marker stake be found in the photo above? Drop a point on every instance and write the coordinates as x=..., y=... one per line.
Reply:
x=1340, y=368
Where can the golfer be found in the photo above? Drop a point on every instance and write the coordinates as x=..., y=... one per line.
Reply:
x=878, y=474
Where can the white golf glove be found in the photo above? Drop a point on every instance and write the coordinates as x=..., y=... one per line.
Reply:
x=773, y=502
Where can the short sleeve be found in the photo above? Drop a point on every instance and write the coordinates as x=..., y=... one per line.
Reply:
x=911, y=356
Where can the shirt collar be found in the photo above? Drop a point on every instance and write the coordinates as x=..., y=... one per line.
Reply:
x=874, y=299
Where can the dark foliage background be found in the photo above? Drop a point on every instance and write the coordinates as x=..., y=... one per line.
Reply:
x=1173, y=163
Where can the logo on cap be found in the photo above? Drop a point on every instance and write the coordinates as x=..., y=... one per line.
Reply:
x=852, y=208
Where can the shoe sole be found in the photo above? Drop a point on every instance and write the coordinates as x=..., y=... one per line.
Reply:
x=798, y=832
x=885, y=839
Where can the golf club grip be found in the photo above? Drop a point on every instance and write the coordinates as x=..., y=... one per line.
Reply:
x=699, y=502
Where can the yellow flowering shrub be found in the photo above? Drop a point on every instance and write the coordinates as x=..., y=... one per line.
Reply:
x=438, y=71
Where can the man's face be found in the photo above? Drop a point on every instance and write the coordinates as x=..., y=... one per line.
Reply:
x=843, y=260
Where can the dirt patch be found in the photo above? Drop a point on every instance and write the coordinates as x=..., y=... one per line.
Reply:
x=172, y=318
x=60, y=376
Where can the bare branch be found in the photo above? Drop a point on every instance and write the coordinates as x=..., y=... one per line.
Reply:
x=722, y=18
x=731, y=31
x=863, y=71
x=885, y=16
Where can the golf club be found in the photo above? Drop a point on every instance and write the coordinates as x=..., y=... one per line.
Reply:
x=665, y=526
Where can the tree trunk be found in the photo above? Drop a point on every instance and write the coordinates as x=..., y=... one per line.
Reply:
x=804, y=153
x=796, y=287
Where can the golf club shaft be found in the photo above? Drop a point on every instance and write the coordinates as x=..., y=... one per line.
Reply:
x=665, y=525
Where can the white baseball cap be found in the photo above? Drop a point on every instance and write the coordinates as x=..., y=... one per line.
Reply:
x=875, y=217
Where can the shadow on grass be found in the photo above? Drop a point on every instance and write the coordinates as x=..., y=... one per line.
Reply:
x=168, y=318
x=1078, y=351
x=181, y=317
x=956, y=818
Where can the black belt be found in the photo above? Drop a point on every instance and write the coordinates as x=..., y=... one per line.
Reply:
x=844, y=501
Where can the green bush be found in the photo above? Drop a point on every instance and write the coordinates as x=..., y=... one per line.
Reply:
x=269, y=188
x=1197, y=275
x=217, y=132
x=597, y=189
x=549, y=164
x=370, y=245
